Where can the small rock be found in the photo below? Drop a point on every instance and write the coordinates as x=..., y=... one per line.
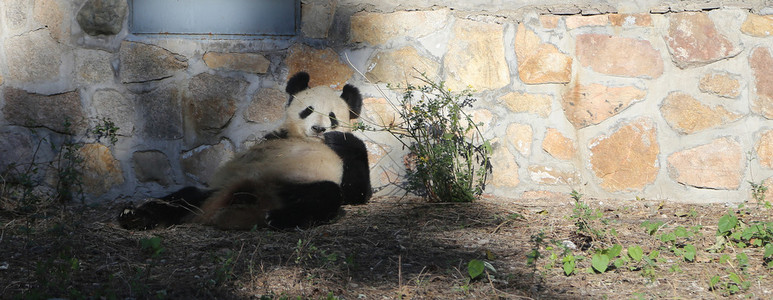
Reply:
x=569, y=244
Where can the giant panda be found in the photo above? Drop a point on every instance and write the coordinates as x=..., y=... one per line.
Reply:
x=298, y=177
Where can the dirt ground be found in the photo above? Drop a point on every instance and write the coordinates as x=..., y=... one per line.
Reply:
x=390, y=248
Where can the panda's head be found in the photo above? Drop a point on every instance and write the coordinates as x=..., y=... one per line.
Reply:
x=313, y=111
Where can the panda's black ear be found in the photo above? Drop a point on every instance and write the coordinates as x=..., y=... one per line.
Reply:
x=297, y=83
x=352, y=97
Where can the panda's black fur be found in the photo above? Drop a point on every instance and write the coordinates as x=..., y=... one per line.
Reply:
x=298, y=177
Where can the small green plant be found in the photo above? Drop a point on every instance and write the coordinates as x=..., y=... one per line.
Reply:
x=55, y=276
x=475, y=268
x=449, y=158
x=537, y=240
x=19, y=180
x=736, y=281
x=758, y=193
x=569, y=264
x=589, y=222
x=70, y=179
x=732, y=230
x=106, y=129
x=677, y=241
x=304, y=250
x=152, y=246
x=224, y=269
x=758, y=189
x=652, y=227
x=601, y=259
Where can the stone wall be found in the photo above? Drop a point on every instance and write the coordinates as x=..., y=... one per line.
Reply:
x=655, y=99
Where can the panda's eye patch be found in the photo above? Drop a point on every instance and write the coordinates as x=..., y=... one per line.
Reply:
x=306, y=112
x=333, y=120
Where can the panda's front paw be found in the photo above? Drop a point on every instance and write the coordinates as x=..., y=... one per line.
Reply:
x=136, y=219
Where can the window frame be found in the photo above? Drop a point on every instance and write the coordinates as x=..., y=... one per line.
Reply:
x=256, y=32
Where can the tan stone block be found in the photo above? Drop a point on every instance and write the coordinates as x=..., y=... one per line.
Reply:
x=316, y=18
x=380, y=112
x=716, y=165
x=476, y=57
x=62, y=113
x=378, y=28
x=324, y=66
x=628, y=158
x=559, y=146
x=212, y=100
x=403, y=66
x=49, y=13
x=642, y=20
x=540, y=62
x=144, y=62
x=757, y=25
x=111, y=104
x=537, y=104
x=577, y=21
x=159, y=113
x=100, y=170
x=504, y=169
x=267, y=106
x=152, y=166
x=549, y=175
x=94, y=66
x=15, y=13
x=586, y=105
x=549, y=21
x=33, y=57
x=762, y=65
x=245, y=62
x=520, y=135
x=482, y=118
x=201, y=163
x=721, y=84
x=546, y=195
x=688, y=115
x=619, y=56
x=693, y=40
x=101, y=17
x=764, y=149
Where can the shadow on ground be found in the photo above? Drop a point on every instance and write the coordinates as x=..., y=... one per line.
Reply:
x=394, y=248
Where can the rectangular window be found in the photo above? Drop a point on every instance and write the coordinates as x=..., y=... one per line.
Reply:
x=215, y=17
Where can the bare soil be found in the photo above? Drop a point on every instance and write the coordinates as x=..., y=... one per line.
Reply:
x=390, y=248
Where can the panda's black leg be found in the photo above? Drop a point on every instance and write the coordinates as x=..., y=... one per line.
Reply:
x=306, y=205
x=168, y=210
x=355, y=184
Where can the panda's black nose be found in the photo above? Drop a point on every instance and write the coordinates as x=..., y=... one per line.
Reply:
x=318, y=129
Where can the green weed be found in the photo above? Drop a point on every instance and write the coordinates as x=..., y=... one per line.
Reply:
x=449, y=158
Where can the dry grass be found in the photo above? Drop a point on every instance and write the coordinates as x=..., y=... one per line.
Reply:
x=389, y=248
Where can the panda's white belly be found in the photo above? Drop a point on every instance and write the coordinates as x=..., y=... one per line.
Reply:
x=287, y=160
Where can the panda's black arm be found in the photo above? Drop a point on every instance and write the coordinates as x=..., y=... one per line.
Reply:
x=355, y=184
x=305, y=204
x=165, y=211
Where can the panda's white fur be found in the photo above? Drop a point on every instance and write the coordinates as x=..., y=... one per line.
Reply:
x=299, y=176
x=325, y=109
x=255, y=174
x=290, y=159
